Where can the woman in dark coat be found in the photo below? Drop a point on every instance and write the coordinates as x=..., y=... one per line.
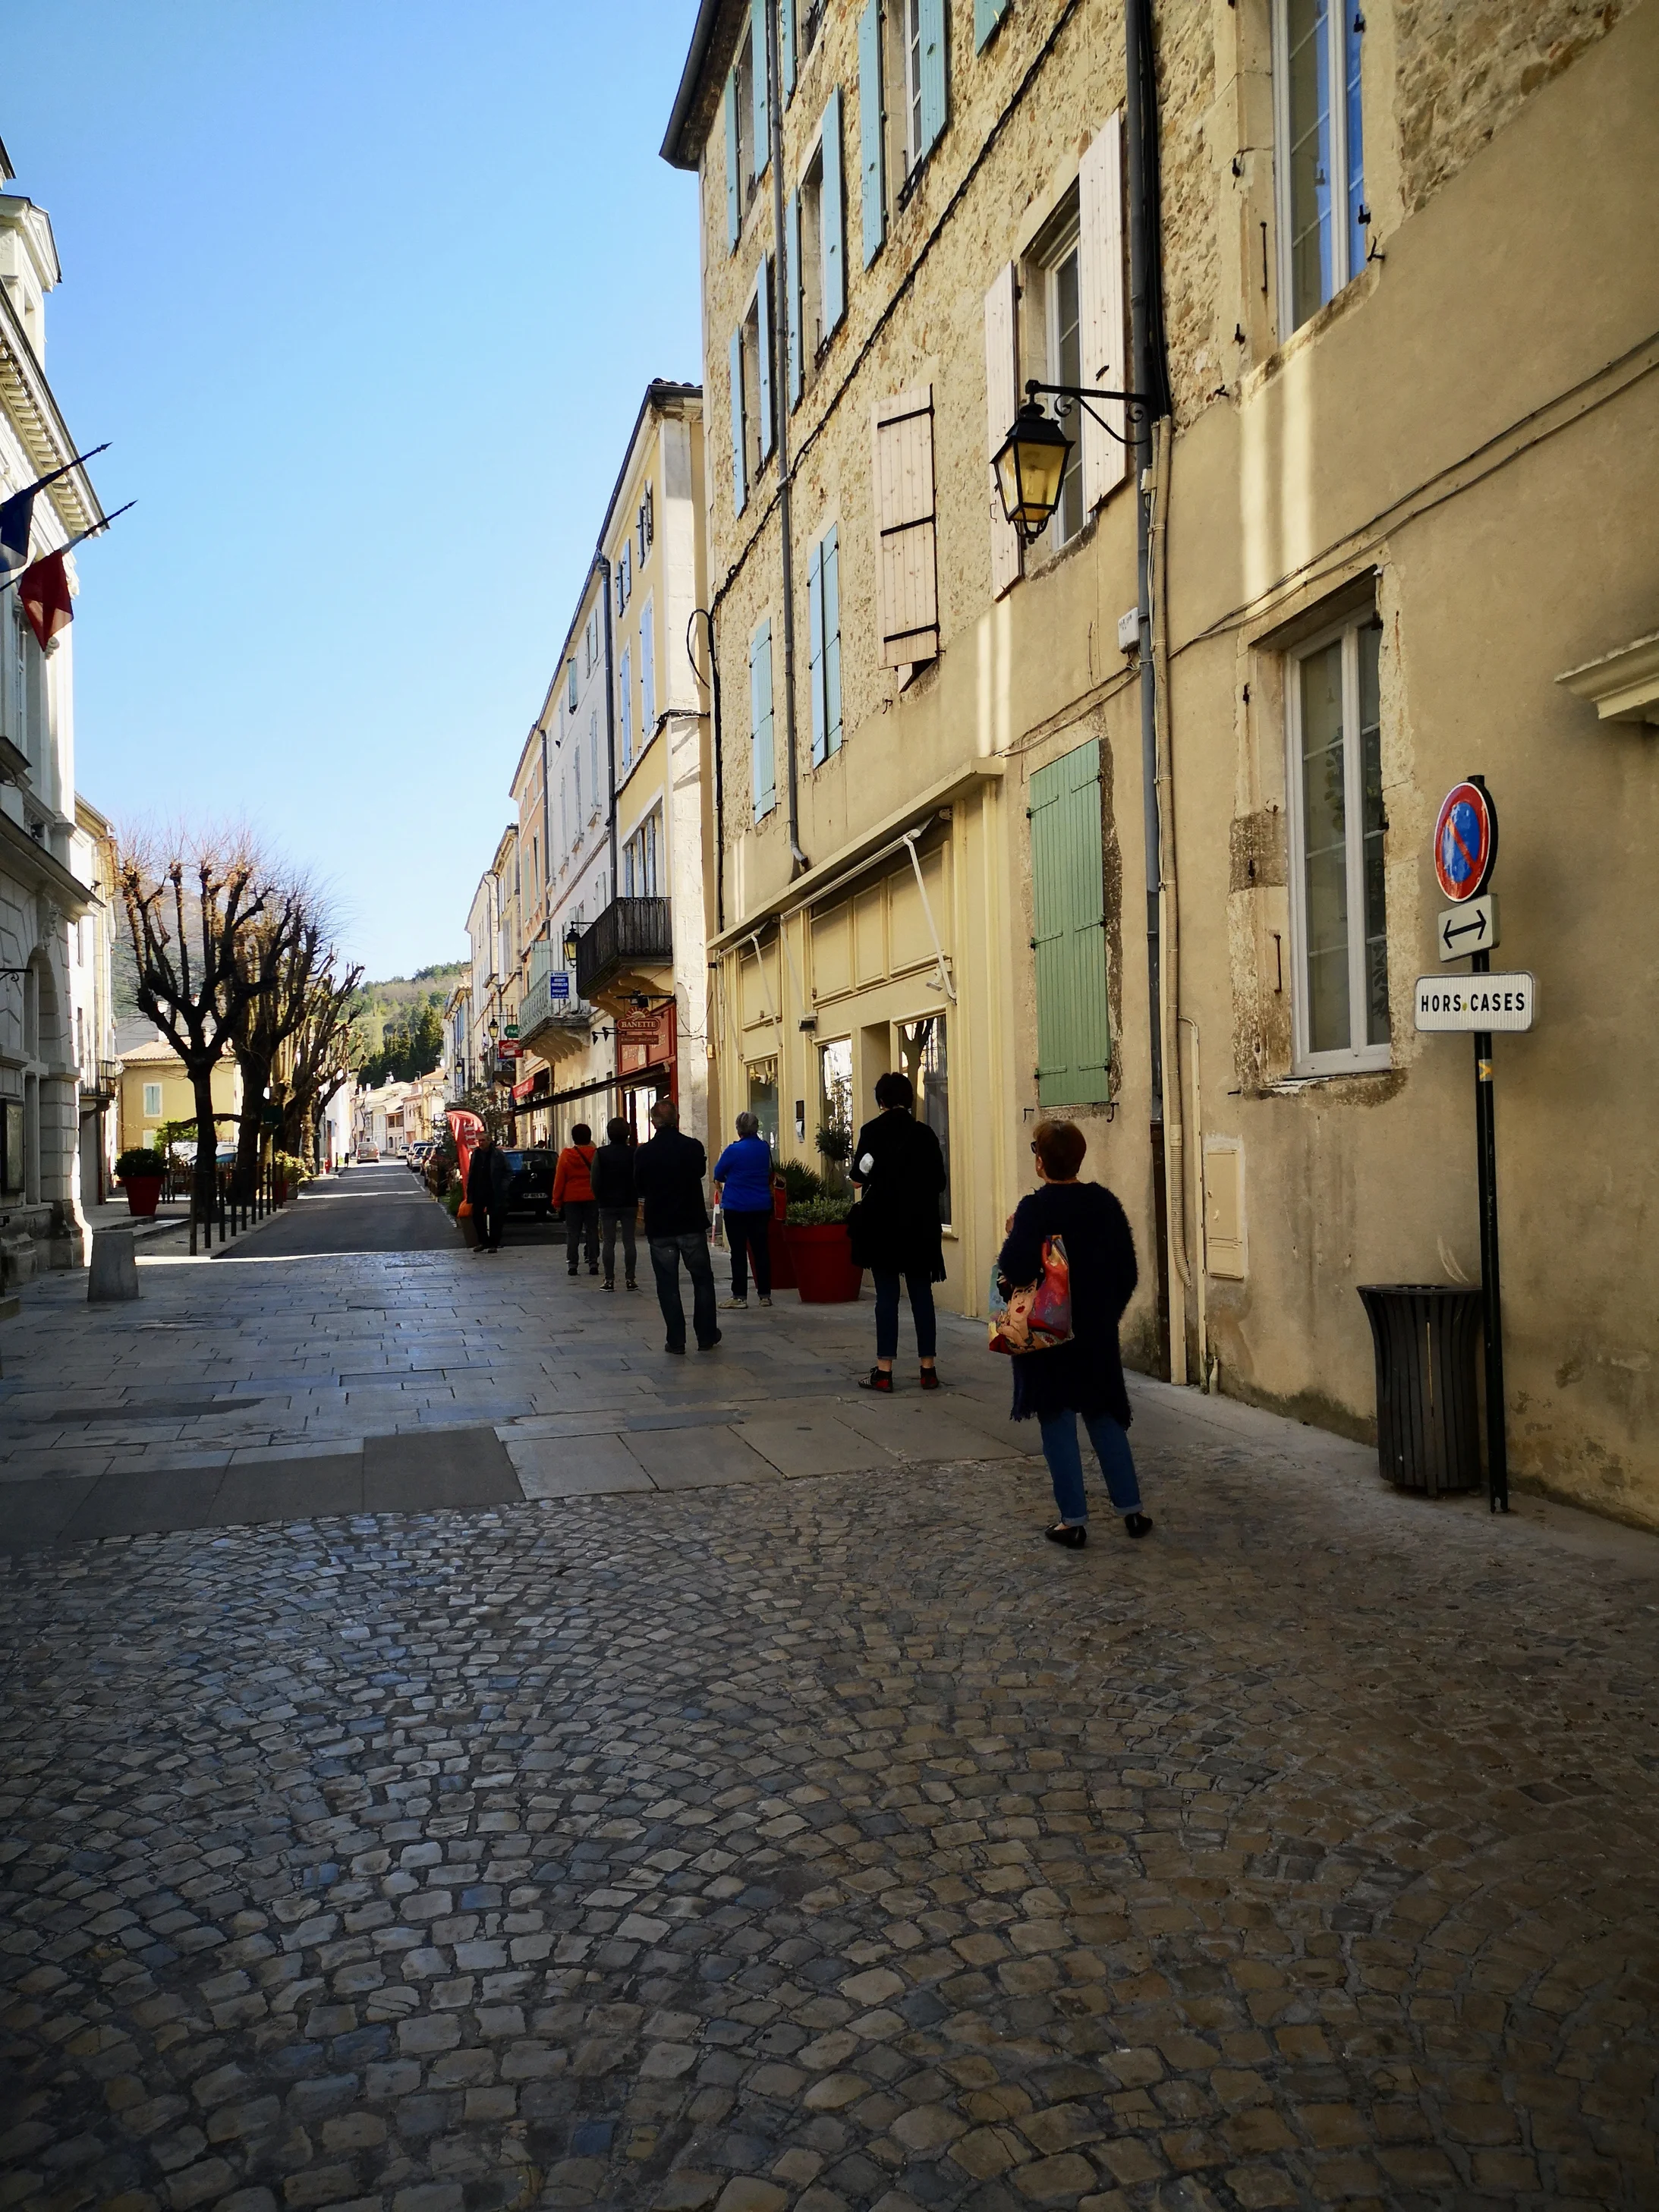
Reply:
x=900, y=1171
x=1086, y=1374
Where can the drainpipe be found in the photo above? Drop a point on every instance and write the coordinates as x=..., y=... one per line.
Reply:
x=1148, y=375
x=781, y=409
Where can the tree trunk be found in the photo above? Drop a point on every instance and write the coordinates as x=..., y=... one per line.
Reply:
x=250, y=1135
x=204, y=1187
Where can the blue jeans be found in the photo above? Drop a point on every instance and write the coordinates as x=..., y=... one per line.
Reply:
x=921, y=1288
x=1111, y=1444
x=667, y=1253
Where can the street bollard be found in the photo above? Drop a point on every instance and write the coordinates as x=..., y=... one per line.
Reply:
x=113, y=1273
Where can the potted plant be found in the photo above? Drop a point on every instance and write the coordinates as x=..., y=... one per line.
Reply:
x=140, y=1170
x=290, y=1172
x=822, y=1249
x=794, y=1183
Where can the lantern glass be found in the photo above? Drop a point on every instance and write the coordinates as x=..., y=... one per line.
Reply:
x=1030, y=468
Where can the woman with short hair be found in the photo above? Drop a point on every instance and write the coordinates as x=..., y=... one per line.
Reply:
x=742, y=1191
x=896, y=1228
x=612, y=1177
x=1084, y=1375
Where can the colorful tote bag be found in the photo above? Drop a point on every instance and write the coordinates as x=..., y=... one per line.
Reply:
x=1033, y=1317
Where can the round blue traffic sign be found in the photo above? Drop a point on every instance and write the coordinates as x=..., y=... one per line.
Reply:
x=1465, y=841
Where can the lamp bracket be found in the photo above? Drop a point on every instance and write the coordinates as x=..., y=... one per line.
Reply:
x=1136, y=404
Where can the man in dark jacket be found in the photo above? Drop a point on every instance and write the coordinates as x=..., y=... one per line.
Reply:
x=668, y=1173
x=488, y=1179
x=612, y=1176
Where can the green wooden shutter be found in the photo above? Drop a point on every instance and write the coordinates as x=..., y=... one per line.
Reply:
x=733, y=183
x=739, y=473
x=786, y=47
x=1068, y=900
x=791, y=295
x=831, y=644
x=759, y=74
x=872, y=157
x=988, y=14
x=833, y=251
x=766, y=425
x=933, y=76
x=760, y=720
x=815, y=647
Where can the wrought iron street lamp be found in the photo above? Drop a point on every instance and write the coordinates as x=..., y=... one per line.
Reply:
x=1031, y=462
x=570, y=941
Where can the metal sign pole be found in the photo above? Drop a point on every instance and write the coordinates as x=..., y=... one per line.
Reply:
x=1486, y=1148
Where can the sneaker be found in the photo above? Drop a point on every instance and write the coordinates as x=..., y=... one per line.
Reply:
x=607, y=1286
x=737, y=1305
x=631, y=1284
x=765, y=1301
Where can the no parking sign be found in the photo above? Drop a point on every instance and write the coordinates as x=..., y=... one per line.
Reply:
x=1465, y=841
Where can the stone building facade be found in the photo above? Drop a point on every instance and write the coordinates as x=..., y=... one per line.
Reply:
x=1397, y=327
x=42, y=900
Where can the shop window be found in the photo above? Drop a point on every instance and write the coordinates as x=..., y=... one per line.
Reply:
x=763, y=1098
x=922, y=1057
x=1068, y=904
x=835, y=1096
x=1319, y=174
x=1339, y=922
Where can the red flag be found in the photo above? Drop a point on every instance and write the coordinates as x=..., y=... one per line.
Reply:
x=45, y=593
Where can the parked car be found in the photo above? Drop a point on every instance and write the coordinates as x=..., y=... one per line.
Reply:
x=532, y=1188
x=419, y=1154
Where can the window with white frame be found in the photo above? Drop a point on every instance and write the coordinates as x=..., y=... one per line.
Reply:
x=645, y=523
x=152, y=1101
x=648, y=676
x=571, y=691
x=625, y=708
x=761, y=749
x=595, y=782
x=1338, y=914
x=576, y=786
x=1054, y=307
x=1319, y=174
x=641, y=858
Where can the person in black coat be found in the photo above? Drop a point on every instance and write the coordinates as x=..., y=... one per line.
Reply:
x=611, y=1172
x=489, y=1178
x=895, y=1230
x=1086, y=1374
x=668, y=1173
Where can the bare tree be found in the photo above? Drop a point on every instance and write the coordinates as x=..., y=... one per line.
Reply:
x=321, y=1055
x=285, y=954
x=190, y=903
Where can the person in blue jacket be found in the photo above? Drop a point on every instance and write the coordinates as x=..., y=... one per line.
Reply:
x=743, y=1190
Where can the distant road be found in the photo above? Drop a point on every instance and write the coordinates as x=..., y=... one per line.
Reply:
x=364, y=1209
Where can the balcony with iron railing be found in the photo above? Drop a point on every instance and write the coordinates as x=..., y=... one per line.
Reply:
x=629, y=942
x=100, y=1080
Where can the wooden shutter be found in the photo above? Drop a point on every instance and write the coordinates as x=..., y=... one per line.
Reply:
x=786, y=47
x=792, y=299
x=647, y=673
x=733, y=182
x=740, y=472
x=759, y=77
x=906, y=575
x=765, y=426
x=832, y=219
x=831, y=643
x=872, y=150
x=1068, y=901
x=1100, y=273
x=815, y=648
x=1001, y=405
x=760, y=720
x=933, y=82
x=988, y=14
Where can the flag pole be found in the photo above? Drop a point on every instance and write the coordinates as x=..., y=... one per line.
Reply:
x=96, y=531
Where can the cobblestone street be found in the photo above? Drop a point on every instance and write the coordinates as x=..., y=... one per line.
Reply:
x=796, y=1831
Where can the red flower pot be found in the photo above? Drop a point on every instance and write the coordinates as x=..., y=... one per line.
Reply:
x=825, y=1273
x=783, y=1260
x=144, y=1194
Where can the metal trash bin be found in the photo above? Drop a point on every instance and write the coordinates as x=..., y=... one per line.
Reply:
x=1428, y=1418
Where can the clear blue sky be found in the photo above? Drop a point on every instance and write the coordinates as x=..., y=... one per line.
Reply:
x=365, y=297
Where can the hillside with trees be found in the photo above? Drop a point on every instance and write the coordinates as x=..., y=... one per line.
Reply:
x=397, y=1024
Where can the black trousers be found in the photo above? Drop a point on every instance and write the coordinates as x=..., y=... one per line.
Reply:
x=581, y=1225
x=746, y=1235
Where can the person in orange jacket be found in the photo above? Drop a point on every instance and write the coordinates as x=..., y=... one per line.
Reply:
x=572, y=1189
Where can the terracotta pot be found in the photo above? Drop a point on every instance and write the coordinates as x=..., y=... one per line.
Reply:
x=824, y=1271
x=144, y=1194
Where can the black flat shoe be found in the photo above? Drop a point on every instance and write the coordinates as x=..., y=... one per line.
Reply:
x=1072, y=1536
x=875, y=1380
x=1137, y=1524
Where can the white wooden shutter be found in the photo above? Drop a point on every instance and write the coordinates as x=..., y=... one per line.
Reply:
x=907, y=580
x=1001, y=405
x=767, y=422
x=1105, y=353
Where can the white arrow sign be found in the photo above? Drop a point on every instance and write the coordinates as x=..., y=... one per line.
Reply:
x=1466, y=929
x=1475, y=1002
